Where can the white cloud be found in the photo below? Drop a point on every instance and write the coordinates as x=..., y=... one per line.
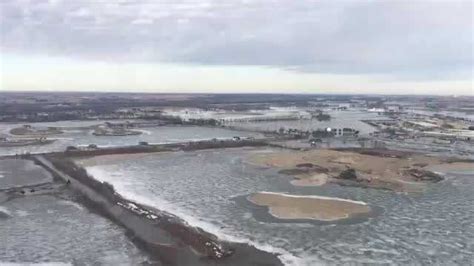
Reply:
x=142, y=21
x=81, y=12
x=406, y=39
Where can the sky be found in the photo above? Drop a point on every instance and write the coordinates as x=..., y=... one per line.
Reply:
x=227, y=46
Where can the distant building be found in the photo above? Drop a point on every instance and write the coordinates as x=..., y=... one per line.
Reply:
x=339, y=132
x=393, y=108
x=376, y=110
x=344, y=106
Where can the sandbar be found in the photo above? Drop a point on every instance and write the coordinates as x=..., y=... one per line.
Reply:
x=404, y=172
x=284, y=206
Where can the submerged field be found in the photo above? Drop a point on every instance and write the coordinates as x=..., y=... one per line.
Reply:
x=210, y=189
x=339, y=119
x=77, y=134
x=51, y=230
x=45, y=224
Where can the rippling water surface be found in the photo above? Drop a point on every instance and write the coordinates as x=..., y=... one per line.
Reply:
x=49, y=228
x=339, y=119
x=45, y=229
x=434, y=227
x=163, y=134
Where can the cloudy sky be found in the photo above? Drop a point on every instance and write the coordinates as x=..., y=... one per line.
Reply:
x=289, y=46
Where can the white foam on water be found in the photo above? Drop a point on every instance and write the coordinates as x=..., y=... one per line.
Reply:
x=146, y=132
x=5, y=210
x=61, y=138
x=285, y=256
x=22, y=213
x=71, y=203
x=313, y=197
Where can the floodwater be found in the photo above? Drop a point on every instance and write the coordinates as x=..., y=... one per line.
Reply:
x=45, y=229
x=433, y=227
x=16, y=173
x=77, y=137
x=463, y=115
x=459, y=149
x=50, y=228
x=339, y=119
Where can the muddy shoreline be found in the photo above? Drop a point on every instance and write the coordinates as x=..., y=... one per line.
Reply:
x=308, y=207
x=162, y=235
x=165, y=237
x=367, y=168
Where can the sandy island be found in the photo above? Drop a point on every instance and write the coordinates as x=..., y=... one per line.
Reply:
x=285, y=206
x=396, y=171
x=28, y=130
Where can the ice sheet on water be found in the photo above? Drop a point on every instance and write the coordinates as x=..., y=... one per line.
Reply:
x=199, y=187
x=122, y=185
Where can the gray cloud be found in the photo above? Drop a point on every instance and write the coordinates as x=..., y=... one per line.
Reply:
x=405, y=38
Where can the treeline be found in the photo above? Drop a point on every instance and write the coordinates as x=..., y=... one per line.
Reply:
x=176, y=120
x=145, y=148
x=320, y=116
x=297, y=133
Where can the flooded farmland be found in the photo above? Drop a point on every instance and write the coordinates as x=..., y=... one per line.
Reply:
x=46, y=225
x=76, y=133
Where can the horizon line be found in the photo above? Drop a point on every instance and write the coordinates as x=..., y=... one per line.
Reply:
x=235, y=93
